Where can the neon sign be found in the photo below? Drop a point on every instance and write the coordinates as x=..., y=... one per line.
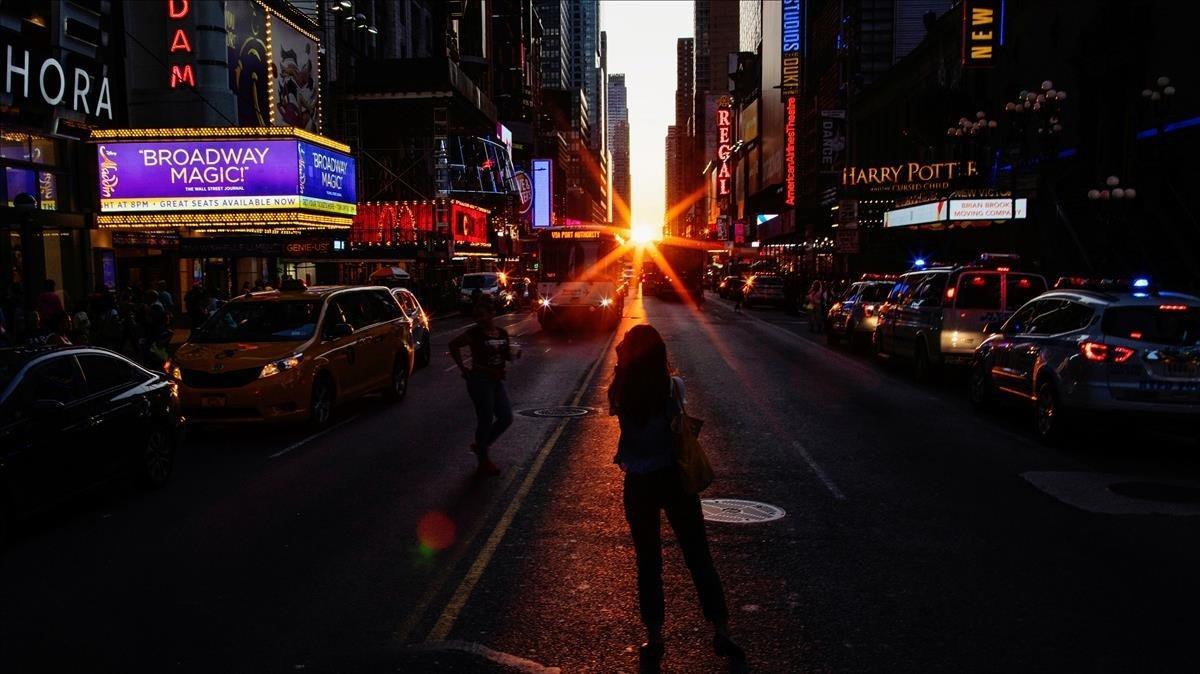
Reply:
x=178, y=10
x=724, y=147
x=790, y=153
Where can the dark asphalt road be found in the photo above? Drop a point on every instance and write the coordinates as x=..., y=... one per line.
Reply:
x=915, y=537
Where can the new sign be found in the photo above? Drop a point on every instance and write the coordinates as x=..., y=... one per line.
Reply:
x=225, y=175
x=982, y=32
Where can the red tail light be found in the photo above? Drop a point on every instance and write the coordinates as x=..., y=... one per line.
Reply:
x=868, y=310
x=1101, y=353
x=950, y=293
x=1172, y=307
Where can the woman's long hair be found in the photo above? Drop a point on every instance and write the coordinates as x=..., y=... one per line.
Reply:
x=642, y=385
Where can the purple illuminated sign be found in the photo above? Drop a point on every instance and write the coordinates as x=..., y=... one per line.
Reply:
x=224, y=175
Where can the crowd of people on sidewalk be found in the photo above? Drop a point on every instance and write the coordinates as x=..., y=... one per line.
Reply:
x=136, y=321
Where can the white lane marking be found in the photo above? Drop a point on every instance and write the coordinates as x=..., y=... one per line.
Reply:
x=312, y=437
x=506, y=660
x=547, y=350
x=821, y=475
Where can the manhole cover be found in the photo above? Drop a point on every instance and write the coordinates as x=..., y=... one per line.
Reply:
x=736, y=511
x=1155, y=491
x=557, y=412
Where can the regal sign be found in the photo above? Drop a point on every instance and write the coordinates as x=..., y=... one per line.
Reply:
x=908, y=176
x=724, y=147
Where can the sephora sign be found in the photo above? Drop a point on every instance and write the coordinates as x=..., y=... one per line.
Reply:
x=33, y=77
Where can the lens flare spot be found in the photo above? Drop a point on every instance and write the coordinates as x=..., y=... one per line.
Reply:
x=435, y=531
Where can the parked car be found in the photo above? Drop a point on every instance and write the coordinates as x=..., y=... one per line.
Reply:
x=1095, y=346
x=854, y=315
x=492, y=284
x=936, y=316
x=294, y=354
x=71, y=417
x=422, y=333
x=762, y=290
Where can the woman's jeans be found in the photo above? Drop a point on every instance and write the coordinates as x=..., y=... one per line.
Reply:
x=493, y=411
x=645, y=496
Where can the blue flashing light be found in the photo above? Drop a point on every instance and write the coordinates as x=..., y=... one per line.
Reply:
x=919, y=262
x=1141, y=283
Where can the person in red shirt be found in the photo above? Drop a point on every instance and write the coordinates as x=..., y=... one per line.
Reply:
x=48, y=302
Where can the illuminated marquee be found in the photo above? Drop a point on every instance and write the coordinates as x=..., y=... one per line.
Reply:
x=908, y=176
x=181, y=73
x=981, y=32
x=143, y=171
x=724, y=146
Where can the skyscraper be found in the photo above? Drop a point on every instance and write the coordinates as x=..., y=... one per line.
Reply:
x=682, y=172
x=718, y=33
x=674, y=183
x=618, y=140
x=556, y=43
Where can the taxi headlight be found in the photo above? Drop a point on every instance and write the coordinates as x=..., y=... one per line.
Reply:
x=173, y=371
x=272, y=369
x=543, y=302
x=606, y=302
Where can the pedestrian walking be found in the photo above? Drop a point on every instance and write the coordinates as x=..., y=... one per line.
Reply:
x=816, y=306
x=646, y=399
x=490, y=351
x=739, y=295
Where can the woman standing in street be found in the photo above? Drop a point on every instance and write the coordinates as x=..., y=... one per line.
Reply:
x=646, y=399
x=490, y=352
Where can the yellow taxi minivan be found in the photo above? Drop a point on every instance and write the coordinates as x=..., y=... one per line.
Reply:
x=294, y=354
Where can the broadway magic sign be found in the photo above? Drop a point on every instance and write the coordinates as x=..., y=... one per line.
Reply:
x=224, y=175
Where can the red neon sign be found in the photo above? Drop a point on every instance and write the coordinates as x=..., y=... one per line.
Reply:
x=789, y=152
x=178, y=10
x=724, y=149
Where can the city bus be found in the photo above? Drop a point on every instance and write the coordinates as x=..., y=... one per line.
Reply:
x=579, y=277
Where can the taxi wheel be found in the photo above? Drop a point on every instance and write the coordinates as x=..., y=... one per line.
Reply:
x=1050, y=420
x=157, y=459
x=979, y=389
x=320, y=406
x=398, y=386
x=425, y=355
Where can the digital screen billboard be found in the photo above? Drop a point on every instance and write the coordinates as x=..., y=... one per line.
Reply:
x=186, y=175
x=543, y=192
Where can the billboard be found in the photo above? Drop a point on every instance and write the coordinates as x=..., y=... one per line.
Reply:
x=543, y=192
x=987, y=209
x=294, y=70
x=246, y=174
x=246, y=47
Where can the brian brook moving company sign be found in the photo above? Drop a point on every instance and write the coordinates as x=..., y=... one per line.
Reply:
x=225, y=175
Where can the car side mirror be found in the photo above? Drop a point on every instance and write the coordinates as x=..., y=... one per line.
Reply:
x=342, y=330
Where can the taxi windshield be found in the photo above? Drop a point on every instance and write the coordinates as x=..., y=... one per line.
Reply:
x=264, y=321
x=479, y=281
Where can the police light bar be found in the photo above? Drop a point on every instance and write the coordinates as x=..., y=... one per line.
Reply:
x=879, y=277
x=1138, y=285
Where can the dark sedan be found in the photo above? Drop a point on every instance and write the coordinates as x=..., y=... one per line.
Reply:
x=73, y=417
